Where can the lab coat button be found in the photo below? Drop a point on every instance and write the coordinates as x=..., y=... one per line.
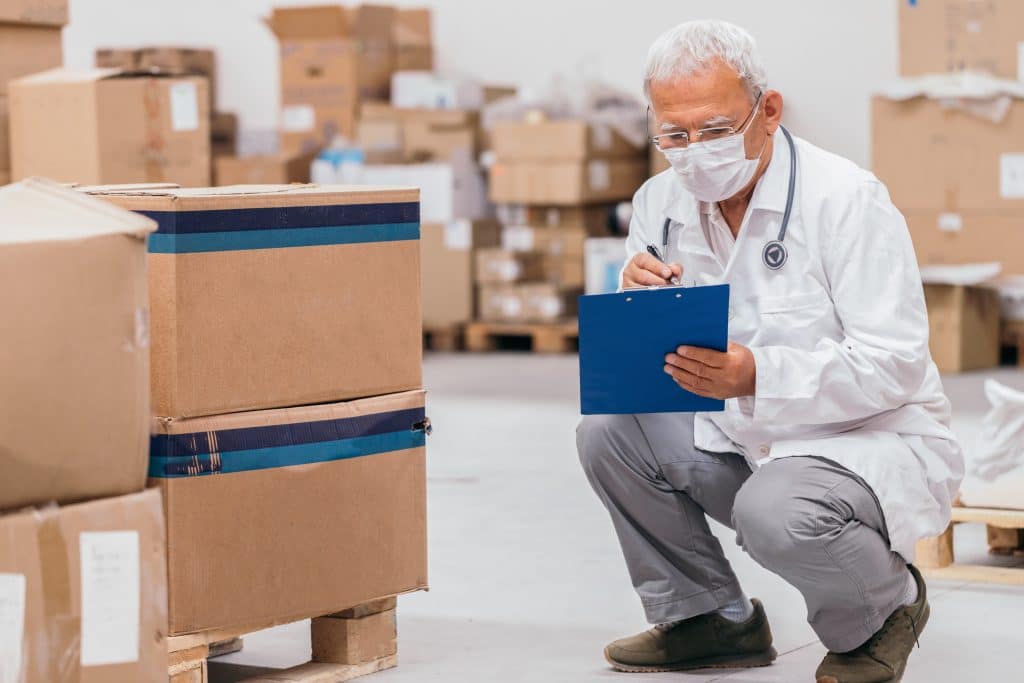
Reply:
x=765, y=449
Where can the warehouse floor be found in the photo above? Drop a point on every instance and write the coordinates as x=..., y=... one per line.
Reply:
x=527, y=583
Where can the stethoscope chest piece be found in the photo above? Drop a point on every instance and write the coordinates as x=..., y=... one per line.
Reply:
x=774, y=254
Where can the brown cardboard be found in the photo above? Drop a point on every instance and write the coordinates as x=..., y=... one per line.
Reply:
x=26, y=49
x=283, y=326
x=319, y=92
x=165, y=59
x=449, y=292
x=100, y=126
x=595, y=219
x=526, y=303
x=969, y=237
x=564, y=270
x=45, y=548
x=567, y=140
x=308, y=539
x=552, y=241
x=493, y=93
x=954, y=35
x=5, y=144
x=658, y=162
x=413, y=40
x=223, y=134
x=419, y=134
x=45, y=12
x=963, y=327
x=414, y=59
x=75, y=356
x=124, y=58
x=937, y=158
x=500, y=266
x=566, y=182
x=266, y=169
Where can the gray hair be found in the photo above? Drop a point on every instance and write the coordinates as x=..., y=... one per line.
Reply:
x=694, y=45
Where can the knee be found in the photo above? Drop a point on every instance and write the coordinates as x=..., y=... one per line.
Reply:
x=599, y=440
x=772, y=525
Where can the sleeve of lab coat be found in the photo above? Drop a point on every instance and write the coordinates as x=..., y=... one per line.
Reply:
x=639, y=231
x=876, y=288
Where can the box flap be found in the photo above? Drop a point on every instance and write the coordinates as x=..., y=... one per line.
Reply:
x=319, y=21
x=37, y=210
x=243, y=196
x=44, y=12
x=412, y=28
x=373, y=23
x=65, y=75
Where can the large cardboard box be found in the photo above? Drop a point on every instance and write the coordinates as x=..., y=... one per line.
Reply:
x=939, y=158
x=321, y=508
x=954, y=35
x=166, y=59
x=102, y=126
x=30, y=37
x=500, y=266
x=527, y=303
x=949, y=238
x=417, y=135
x=263, y=169
x=44, y=12
x=271, y=296
x=373, y=28
x=963, y=326
x=84, y=592
x=449, y=289
x=560, y=140
x=566, y=182
x=74, y=400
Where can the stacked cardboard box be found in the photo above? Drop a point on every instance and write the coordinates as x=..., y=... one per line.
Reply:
x=388, y=134
x=262, y=169
x=106, y=126
x=563, y=177
x=957, y=177
x=270, y=326
x=83, y=586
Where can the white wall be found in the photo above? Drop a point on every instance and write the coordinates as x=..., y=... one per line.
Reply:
x=825, y=56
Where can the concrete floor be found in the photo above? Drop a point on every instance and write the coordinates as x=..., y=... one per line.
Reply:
x=527, y=583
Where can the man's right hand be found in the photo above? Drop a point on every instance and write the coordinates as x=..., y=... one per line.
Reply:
x=646, y=271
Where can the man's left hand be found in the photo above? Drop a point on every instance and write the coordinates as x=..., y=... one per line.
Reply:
x=713, y=374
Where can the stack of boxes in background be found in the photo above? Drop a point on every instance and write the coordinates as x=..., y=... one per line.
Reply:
x=957, y=174
x=83, y=582
x=30, y=41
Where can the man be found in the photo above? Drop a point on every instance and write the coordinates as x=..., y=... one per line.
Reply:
x=833, y=455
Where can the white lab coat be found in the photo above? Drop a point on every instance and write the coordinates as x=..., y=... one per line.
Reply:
x=839, y=334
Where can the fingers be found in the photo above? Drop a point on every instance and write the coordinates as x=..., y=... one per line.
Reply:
x=689, y=365
x=715, y=359
x=636, y=277
x=702, y=386
x=677, y=270
x=645, y=261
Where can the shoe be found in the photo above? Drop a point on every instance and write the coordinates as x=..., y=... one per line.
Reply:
x=704, y=641
x=883, y=658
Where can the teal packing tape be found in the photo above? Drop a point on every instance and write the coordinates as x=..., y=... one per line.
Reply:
x=276, y=238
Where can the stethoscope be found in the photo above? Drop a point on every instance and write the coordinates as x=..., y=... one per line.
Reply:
x=774, y=253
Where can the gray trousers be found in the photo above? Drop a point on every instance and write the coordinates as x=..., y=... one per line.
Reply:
x=806, y=519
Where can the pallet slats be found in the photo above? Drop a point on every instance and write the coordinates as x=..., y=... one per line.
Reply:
x=936, y=557
x=544, y=337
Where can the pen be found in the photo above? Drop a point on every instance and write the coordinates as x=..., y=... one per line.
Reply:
x=653, y=251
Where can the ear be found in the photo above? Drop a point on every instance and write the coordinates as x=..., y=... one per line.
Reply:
x=772, y=111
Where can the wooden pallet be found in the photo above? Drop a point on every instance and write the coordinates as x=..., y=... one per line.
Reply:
x=447, y=338
x=346, y=645
x=936, y=558
x=560, y=337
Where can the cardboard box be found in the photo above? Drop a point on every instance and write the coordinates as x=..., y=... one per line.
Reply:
x=564, y=270
x=264, y=169
x=164, y=59
x=449, y=267
x=284, y=284
x=43, y=12
x=413, y=40
x=326, y=507
x=596, y=219
x=936, y=158
x=963, y=326
x=658, y=162
x=124, y=58
x=5, y=142
x=564, y=140
x=552, y=241
x=84, y=590
x=566, y=182
x=74, y=400
x=500, y=266
x=604, y=258
x=26, y=49
x=448, y=191
x=100, y=126
x=526, y=303
x=954, y=35
x=417, y=135
x=493, y=93
x=946, y=238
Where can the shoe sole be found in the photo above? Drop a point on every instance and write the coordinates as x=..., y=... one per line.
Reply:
x=721, y=662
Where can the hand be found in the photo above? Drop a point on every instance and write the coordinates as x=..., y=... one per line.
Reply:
x=714, y=374
x=646, y=271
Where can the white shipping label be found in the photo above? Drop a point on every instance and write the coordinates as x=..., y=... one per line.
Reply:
x=951, y=222
x=110, y=597
x=600, y=135
x=517, y=238
x=458, y=235
x=184, y=107
x=298, y=118
x=600, y=175
x=549, y=306
x=12, y=626
x=511, y=307
x=508, y=271
x=1011, y=176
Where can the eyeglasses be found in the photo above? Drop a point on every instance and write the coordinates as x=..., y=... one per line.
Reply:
x=682, y=138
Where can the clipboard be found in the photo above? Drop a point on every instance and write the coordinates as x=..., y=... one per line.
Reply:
x=624, y=338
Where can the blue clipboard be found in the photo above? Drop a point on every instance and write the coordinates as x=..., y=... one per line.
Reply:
x=624, y=338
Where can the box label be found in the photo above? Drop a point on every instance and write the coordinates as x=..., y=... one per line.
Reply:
x=517, y=238
x=458, y=235
x=298, y=118
x=110, y=597
x=1011, y=176
x=184, y=107
x=12, y=626
x=549, y=306
x=600, y=175
x=511, y=306
x=951, y=222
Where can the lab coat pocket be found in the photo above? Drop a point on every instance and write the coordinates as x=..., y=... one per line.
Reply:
x=795, y=320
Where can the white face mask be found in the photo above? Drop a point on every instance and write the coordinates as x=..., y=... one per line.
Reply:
x=713, y=170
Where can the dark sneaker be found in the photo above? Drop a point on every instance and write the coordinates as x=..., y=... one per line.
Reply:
x=882, y=659
x=705, y=641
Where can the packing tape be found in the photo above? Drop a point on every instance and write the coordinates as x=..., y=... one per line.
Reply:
x=63, y=627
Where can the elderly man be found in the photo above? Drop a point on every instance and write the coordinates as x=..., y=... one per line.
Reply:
x=833, y=455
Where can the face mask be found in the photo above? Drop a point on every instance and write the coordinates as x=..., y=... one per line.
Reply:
x=713, y=170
